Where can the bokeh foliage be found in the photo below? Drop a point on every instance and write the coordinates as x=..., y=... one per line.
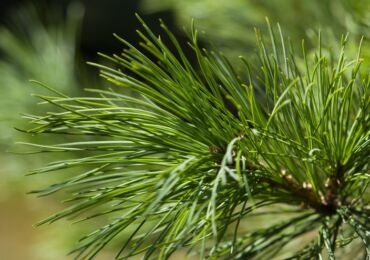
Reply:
x=229, y=24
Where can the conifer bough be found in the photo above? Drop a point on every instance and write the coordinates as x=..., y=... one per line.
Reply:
x=217, y=162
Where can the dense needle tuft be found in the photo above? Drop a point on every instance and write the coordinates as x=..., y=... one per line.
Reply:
x=215, y=161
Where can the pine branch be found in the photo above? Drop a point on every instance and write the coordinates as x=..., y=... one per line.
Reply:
x=173, y=164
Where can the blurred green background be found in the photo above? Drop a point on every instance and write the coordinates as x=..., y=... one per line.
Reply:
x=50, y=41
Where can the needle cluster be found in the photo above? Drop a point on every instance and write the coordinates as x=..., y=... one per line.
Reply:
x=189, y=156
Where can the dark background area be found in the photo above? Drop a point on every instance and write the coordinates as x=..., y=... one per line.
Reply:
x=101, y=20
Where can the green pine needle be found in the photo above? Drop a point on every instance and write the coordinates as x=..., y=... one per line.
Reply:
x=171, y=164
